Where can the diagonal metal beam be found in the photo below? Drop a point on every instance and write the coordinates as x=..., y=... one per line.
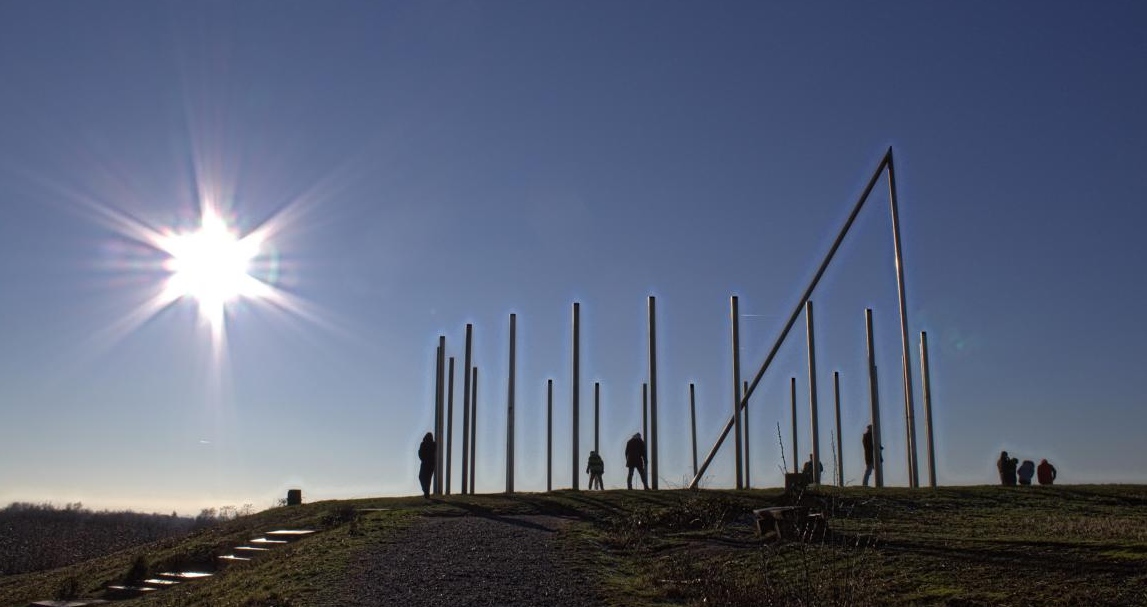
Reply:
x=885, y=162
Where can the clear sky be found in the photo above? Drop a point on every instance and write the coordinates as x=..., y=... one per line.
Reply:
x=413, y=167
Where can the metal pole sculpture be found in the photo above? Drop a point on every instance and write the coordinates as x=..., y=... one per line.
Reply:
x=549, y=435
x=596, y=416
x=576, y=384
x=473, y=427
x=812, y=400
x=739, y=453
x=906, y=359
x=653, y=392
x=885, y=162
x=449, y=425
x=874, y=401
x=796, y=449
x=926, y=381
x=839, y=440
x=439, y=401
x=745, y=423
x=693, y=420
x=510, y=405
x=645, y=417
x=466, y=412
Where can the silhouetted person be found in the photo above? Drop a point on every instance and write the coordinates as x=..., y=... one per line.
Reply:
x=1007, y=467
x=635, y=459
x=869, y=459
x=1025, y=472
x=1045, y=472
x=808, y=473
x=595, y=468
x=427, y=454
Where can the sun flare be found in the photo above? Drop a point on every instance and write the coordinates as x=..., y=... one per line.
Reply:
x=212, y=265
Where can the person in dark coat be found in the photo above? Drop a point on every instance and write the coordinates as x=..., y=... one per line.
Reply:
x=427, y=454
x=1025, y=472
x=807, y=471
x=869, y=458
x=1007, y=467
x=1045, y=472
x=635, y=459
x=595, y=467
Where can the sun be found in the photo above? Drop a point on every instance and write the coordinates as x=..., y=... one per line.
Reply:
x=212, y=265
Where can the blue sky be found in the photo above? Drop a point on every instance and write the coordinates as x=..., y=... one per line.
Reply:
x=428, y=165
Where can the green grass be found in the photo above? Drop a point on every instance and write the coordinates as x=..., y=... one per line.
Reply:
x=959, y=546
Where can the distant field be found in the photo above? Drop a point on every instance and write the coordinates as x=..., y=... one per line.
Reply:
x=960, y=546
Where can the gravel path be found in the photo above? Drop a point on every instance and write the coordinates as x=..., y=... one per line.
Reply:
x=470, y=561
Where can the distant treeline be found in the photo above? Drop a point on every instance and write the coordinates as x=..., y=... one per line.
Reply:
x=34, y=537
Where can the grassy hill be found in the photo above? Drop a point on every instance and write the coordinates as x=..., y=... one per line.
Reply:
x=958, y=546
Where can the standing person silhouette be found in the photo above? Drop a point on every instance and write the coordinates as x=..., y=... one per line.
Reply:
x=869, y=453
x=1045, y=472
x=595, y=467
x=1007, y=467
x=427, y=454
x=635, y=459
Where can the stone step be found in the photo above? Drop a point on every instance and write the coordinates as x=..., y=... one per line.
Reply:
x=262, y=541
x=75, y=603
x=288, y=535
x=231, y=559
x=158, y=583
x=250, y=551
x=119, y=592
x=184, y=576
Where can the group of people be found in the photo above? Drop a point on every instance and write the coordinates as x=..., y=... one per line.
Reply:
x=1013, y=472
x=595, y=467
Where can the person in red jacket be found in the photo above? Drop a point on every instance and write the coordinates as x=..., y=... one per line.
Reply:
x=1045, y=472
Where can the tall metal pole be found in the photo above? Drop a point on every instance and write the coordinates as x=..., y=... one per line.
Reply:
x=796, y=448
x=748, y=455
x=576, y=384
x=449, y=425
x=466, y=412
x=596, y=416
x=439, y=402
x=839, y=438
x=653, y=392
x=796, y=312
x=510, y=405
x=906, y=359
x=473, y=427
x=874, y=401
x=645, y=417
x=739, y=452
x=693, y=420
x=812, y=400
x=549, y=435
x=926, y=380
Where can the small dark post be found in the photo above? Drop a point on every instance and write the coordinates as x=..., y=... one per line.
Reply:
x=839, y=438
x=652, y=439
x=576, y=384
x=466, y=413
x=738, y=450
x=796, y=450
x=693, y=419
x=510, y=406
x=927, y=383
x=294, y=497
x=449, y=423
x=473, y=427
x=549, y=435
x=596, y=416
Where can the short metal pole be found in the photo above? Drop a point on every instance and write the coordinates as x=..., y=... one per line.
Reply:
x=510, y=405
x=738, y=449
x=449, y=424
x=812, y=400
x=839, y=438
x=693, y=420
x=745, y=423
x=796, y=448
x=549, y=435
x=927, y=383
x=473, y=427
x=576, y=384
x=466, y=412
x=653, y=392
x=874, y=401
x=645, y=418
x=596, y=416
